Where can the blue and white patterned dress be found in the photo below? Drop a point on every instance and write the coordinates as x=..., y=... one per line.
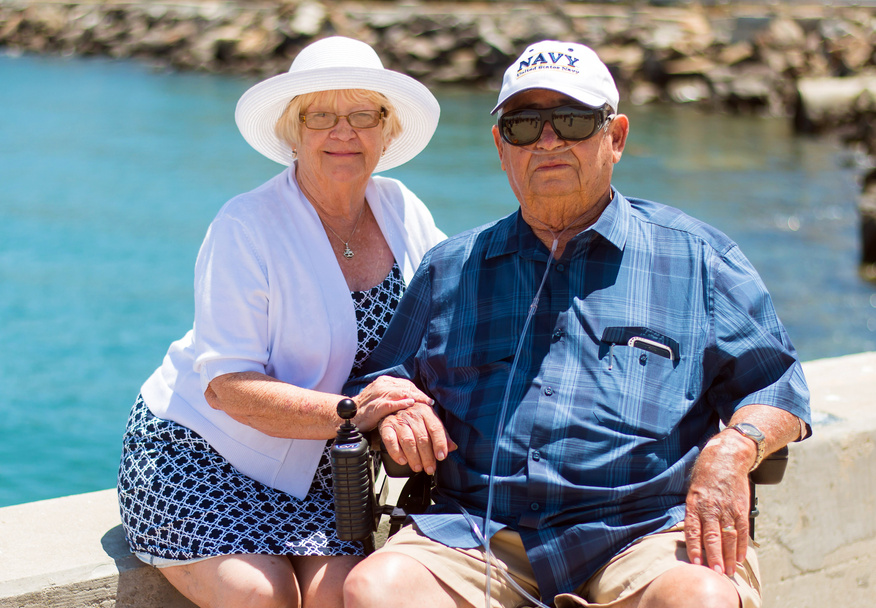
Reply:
x=180, y=500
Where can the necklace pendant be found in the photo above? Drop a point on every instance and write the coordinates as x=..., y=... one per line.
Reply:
x=348, y=253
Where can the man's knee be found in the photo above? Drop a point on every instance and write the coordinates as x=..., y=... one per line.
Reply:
x=391, y=579
x=370, y=580
x=689, y=586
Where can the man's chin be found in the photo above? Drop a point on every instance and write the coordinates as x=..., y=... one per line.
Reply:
x=552, y=187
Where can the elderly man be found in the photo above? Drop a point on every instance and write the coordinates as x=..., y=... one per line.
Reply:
x=582, y=353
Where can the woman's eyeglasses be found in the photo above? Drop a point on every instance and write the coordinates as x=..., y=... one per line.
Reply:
x=363, y=119
x=572, y=123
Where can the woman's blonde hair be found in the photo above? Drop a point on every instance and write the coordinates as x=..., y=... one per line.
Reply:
x=288, y=127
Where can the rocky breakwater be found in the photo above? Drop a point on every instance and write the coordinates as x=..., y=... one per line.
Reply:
x=738, y=57
x=846, y=106
x=810, y=62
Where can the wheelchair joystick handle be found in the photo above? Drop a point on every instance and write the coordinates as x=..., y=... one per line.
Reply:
x=347, y=409
x=352, y=480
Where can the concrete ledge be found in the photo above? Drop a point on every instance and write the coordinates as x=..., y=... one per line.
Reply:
x=817, y=532
x=71, y=551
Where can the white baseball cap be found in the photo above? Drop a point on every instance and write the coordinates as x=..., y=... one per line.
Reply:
x=566, y=67
x=331, y=64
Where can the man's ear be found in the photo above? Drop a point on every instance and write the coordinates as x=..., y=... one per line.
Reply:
x=497, y=138
x=618, y=131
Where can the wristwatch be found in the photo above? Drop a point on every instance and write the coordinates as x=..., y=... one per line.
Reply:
x=756, y=435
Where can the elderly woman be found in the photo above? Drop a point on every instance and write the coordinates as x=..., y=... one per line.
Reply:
x=225, y=480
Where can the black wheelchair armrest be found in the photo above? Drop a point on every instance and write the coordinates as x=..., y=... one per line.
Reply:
x=771, y=470
x=390, y=467
x=415, y=495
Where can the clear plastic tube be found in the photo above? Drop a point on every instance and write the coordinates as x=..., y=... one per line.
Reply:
x=500, y=427
x=567, y=146
x=484, y=537
x=489, y=559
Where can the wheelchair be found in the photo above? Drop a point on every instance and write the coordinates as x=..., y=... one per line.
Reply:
x=361, y=470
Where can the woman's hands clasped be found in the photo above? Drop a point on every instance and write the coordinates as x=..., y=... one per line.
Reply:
x=385, y=396
x=411, y=431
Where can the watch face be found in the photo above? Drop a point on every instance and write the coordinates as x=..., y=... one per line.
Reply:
x=750, y=431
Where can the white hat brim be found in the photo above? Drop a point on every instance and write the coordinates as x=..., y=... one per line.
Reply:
x=261, y=106
x=585, y=97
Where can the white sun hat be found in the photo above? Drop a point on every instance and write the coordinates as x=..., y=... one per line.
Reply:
x=566, y=67
x=331, y=64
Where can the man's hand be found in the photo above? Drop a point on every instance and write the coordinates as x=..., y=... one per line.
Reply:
x=716, y=523
x=416, y=436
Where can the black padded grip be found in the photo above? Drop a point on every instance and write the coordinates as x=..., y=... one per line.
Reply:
x=351, y=479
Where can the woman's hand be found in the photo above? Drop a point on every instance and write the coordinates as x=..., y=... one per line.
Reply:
x=385, y=396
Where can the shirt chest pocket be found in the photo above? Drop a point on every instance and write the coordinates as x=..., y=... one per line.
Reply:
x=643, y=390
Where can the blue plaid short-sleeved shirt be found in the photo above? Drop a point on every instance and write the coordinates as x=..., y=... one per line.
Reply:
x=600, y=435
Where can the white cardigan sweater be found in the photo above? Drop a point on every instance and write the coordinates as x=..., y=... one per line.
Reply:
x=271, y=298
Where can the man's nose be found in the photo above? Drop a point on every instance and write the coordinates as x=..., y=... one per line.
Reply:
x=549, y=138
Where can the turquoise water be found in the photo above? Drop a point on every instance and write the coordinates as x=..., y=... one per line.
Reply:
x=110, y=174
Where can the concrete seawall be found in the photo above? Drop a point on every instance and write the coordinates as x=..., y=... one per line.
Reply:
x=817, y=532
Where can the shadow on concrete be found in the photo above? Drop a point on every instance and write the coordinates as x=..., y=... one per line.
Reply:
x=115, y=545
x=139, y=585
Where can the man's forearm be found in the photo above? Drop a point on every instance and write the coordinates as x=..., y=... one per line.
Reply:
x=778, y=427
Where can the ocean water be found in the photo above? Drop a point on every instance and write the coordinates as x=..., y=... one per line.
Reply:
x=110, y=173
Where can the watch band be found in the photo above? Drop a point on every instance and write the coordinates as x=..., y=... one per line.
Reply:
x=756, y=435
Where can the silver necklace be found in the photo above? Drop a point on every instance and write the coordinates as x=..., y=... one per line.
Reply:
x=348, y=253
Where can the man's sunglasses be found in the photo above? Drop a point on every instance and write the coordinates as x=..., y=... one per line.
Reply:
x=572, y=123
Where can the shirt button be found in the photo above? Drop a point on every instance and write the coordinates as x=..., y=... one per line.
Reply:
x=560, y=267
x=558, y=334
x=548, y=391
x=535, y=506
x=536, y=455
x=643, y=359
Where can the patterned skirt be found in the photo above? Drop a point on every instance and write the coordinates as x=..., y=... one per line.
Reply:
x=180, y=500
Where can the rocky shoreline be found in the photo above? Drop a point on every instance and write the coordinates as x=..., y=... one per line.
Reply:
x=813, y=63
x=740, y=57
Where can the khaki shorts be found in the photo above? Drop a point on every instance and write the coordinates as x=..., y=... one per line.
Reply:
x=463, y=570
